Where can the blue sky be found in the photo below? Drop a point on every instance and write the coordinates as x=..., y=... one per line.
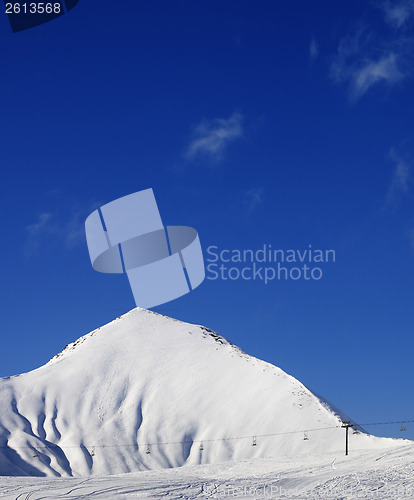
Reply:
x=255, y=123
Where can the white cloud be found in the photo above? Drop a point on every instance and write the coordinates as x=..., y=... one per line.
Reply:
x=313, y=50
x=40, y=225
x=36, y=231
x=74, y=228
x=212, y=137
x=361, y=63
x=253, y=198
x=368, y=58
x=401, y=180
x=398, y=13
x=65, y=226
x=383, y=70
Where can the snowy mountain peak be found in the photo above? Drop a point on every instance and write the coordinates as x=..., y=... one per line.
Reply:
x=146, y=391
x=140, y=318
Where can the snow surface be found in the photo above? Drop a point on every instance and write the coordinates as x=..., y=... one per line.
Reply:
x=146, y=382
x=367, y=474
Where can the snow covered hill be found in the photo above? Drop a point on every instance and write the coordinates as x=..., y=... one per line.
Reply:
x=150, y=392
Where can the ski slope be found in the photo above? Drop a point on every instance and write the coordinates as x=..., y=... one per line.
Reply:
x=147, y=392
x=365, y=474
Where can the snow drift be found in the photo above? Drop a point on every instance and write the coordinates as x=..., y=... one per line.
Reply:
x=146, y=392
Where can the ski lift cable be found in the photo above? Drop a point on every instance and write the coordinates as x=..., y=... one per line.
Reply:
x=386, y=423
x=234, y=438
